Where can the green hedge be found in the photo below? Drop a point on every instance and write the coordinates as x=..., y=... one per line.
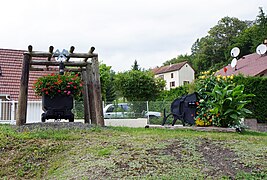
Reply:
x=258, y=87
x=172, y=94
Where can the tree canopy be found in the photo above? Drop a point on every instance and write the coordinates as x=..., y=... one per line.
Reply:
x=137, y=85
x=213, y=51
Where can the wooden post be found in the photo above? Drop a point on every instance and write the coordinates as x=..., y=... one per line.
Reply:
x=90, y=79
x=86, y=98
x=23, y=94
x=97, y=93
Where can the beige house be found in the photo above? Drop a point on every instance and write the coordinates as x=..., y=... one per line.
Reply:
x=175, y=74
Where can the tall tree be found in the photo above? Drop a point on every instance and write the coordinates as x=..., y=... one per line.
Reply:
x=139, y=85
x=107, y=85
x=135, y=66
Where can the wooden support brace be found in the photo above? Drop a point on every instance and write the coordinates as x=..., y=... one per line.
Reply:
x=97, y=93
x=23, y=94
x=91, y=89
x=86, y=98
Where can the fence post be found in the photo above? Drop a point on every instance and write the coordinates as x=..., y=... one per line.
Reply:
x=12, y=112
x=147, y=112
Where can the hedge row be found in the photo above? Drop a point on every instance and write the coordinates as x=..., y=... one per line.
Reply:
x=258, y=87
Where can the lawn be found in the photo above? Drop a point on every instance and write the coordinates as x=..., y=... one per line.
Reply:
x=130, y=153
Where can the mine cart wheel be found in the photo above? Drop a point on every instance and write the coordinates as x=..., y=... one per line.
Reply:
x=43, y=119
x=71, y=120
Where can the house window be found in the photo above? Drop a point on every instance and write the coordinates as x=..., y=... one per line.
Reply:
x=172, y=84
x=161, y=76
x=171, y=75
x=186, y=82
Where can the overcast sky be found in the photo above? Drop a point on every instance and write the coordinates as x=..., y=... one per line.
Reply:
x=149, y=31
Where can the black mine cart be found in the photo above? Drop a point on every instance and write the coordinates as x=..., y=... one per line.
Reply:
x=184, y=109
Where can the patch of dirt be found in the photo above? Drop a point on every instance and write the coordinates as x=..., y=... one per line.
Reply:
x=53, y=125
x=174, y=149
x=222, y=160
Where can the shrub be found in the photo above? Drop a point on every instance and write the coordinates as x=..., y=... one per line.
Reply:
x=222, y=103
x=258, y=87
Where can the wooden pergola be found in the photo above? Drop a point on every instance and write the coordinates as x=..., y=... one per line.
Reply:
x=93, y=110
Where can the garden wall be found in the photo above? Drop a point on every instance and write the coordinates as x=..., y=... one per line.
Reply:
x=254, y=125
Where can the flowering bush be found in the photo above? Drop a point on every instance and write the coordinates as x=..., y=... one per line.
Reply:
x=222, y=102
x=69, y=84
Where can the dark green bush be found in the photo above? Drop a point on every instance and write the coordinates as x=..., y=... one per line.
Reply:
x=258, y=87
x=172, y=94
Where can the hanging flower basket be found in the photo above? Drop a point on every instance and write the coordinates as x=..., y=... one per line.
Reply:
x=58, y=92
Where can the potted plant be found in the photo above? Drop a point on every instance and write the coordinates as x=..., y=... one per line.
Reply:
x=58, y=92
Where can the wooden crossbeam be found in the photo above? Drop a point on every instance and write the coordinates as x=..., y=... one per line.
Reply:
x=71, y=55
x=65, y=69
x=54, y=63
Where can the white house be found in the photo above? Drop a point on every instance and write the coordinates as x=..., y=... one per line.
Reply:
x=175, y=74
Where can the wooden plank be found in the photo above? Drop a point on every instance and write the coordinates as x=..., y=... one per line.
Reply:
x=97, y=93
x=23, y=94
x=207, y=129
x=85, y=98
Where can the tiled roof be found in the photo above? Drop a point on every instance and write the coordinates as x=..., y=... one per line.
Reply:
x=169, y=68
x=11, y=67
x=249, y=65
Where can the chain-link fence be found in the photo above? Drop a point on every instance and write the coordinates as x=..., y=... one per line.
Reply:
x=152, y=110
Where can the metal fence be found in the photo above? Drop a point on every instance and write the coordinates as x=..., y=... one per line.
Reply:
x=152, y=110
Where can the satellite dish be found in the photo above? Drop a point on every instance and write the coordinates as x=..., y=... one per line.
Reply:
x=235, y=52
x=233, y=63
x=261, y=49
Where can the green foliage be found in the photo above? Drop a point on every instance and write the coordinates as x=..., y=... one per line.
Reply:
x=174, y=93
x=135, y=66
x=258, y=87
x=108, y=91
x=53, y=84
x=229, y=102
x=139, y=85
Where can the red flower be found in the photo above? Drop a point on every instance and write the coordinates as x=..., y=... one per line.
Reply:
x=59, y=90
x=46, y=92
x=225, y=69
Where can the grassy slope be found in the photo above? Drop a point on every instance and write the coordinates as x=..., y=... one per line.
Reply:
x=103, y=153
